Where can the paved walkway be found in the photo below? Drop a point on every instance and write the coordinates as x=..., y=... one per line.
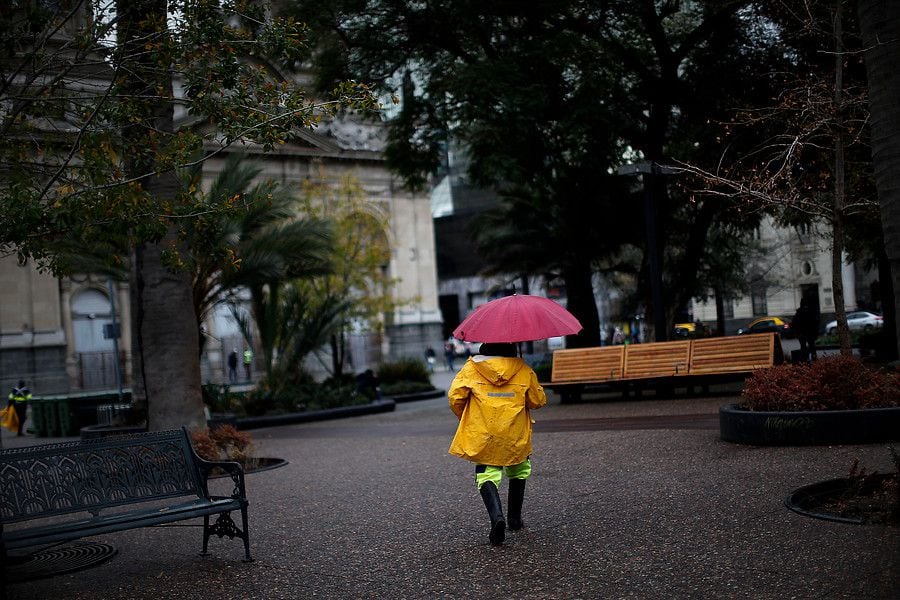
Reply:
x=374, y=507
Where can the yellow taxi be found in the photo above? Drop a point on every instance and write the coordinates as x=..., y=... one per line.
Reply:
x=767, y=325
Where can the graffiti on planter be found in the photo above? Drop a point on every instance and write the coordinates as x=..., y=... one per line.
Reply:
x=789, y=423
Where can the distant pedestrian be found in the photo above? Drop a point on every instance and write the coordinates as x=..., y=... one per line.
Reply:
x=492, y=396
x=248, y=360
x=449, y=353
x=604, y=336
x=19, y=398
x=618, y=336
x=232, y=366
x=806, y=327
x=430, y=358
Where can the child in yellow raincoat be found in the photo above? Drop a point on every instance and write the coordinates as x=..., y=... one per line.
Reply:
x=492, y=395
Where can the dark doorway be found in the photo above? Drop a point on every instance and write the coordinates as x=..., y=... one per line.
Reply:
x=449, y=305
x=810, y=292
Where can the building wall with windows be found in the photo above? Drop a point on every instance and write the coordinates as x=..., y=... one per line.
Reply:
x=787, y=265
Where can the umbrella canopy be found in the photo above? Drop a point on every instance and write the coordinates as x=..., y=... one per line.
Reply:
x=517, y=319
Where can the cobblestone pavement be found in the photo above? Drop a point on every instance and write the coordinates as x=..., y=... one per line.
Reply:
x=374, y=507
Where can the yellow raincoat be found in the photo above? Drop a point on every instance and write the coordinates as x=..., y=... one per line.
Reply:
x=492, y=397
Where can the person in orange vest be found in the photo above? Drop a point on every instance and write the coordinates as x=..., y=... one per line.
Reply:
x=18, y=399
x=493, y=396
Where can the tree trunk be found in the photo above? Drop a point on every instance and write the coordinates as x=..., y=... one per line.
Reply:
x=880, y=26
x=581, y=303
x=167, y=368
x=837, y=222
x=720, y=312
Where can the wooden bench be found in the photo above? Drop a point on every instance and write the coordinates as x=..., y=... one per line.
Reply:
x=687, y=362
x=61, y=492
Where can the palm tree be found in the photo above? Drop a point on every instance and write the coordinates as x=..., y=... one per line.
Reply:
x=879, y=22
x=259, y=241
x=290, y=326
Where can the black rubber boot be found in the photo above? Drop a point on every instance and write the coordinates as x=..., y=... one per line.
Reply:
x=491, y=498
x=514, y=504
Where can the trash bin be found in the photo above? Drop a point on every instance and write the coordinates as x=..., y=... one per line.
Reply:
x=38, y=421
x=68, y=425
x=51, y=417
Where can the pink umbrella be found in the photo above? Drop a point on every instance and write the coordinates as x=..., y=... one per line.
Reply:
x=517, y=319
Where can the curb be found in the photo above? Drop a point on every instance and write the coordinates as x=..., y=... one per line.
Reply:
x=379, y=406
x=428, y=395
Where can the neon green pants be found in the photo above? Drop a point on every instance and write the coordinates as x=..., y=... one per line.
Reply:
x=485, y=473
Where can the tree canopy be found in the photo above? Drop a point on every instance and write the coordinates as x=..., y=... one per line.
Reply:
x=549, y=99
x=100, y=108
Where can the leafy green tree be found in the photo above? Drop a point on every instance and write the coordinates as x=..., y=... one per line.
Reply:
x=91, y=147
x=549, y=99
x=255, y=237
x=359, y=281
x=813, y=162
x=290, y=324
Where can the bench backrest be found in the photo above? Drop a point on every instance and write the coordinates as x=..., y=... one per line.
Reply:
x=733, y=354
x=55, y=479
x=588, y=365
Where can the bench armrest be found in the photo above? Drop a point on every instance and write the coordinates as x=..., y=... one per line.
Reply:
x=231, y=468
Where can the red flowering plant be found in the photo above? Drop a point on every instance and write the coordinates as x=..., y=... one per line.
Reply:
x=830, y=383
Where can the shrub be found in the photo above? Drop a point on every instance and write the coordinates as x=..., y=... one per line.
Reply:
x=223, y=443
x=405, y=369
x=217, y=397
x=830, y=383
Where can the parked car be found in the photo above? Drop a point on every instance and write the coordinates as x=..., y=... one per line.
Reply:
x=858, y=321
x=685, y=329
x=767, y=325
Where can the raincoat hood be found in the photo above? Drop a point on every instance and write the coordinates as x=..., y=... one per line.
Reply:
x=497, y=369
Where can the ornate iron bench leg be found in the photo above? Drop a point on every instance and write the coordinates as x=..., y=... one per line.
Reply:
x=206, y=534
x=224, y=526
x=246, y=536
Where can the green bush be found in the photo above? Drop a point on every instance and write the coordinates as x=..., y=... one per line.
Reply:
x=405, y=369
x=217, y=397
x=830, y=383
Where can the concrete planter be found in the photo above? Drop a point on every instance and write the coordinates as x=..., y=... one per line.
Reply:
x=799, y=428
x=809, y=499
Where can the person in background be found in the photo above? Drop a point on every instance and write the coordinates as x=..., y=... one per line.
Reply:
x=430, y=358
x=449, y=352
x=232, y=366
x=248, y=360
x=493, y=396
x=806, y=326
x=19, y=398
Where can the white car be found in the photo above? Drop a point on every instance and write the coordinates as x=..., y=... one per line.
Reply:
x=859, y=320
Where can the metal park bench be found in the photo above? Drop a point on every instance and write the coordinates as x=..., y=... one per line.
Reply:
x=61, y=492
